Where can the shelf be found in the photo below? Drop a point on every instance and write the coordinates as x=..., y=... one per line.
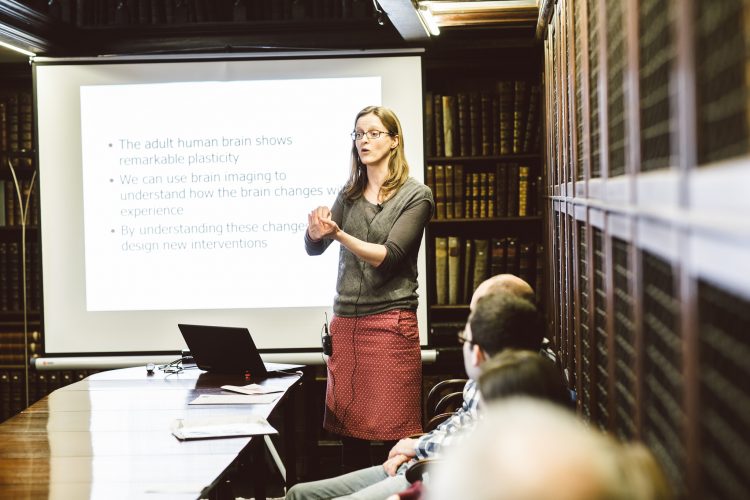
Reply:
x=449, y=307
x=528, y=218
x=513, y=157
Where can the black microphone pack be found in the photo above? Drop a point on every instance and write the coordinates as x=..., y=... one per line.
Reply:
x=327, y=343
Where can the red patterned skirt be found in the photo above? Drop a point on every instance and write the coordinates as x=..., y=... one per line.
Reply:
x=375, y=377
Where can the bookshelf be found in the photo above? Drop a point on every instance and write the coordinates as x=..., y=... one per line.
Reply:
x=646, y=149
x=20, y=265
x=483, y=164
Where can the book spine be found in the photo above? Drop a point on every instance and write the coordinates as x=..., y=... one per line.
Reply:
x=511, y=256
x=523, y=190
x=17, y=391
x=495, y=133
x=438, y=125
x=519, y=115
x=525, y=263
x=13, y=123
x=491, y=194
x=475, y=194
x=497, y=256
x=512, y=200
x=441, y=270
x=464, y=125
x=454, y=269
x=531, y=119
x=475, y=118
x=481, y=257
x=4, y=395
x=449, y=192
x=539, y=274
x=483, y=195
x=430, y=179
x=467, y=283
x=458, y=191
x=505, y=92
x=429, y=124
x=440, y=191
x=14, y=277
x=449, y=124
x=25, y=123
x=501, y=195
x=486, y=130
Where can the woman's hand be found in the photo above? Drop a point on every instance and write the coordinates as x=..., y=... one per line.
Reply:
x=320, y=225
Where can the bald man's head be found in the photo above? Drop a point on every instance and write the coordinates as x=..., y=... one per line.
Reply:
x=508, y=283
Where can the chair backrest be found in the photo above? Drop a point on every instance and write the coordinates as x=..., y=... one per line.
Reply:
x=449, y=403
x=439, y=391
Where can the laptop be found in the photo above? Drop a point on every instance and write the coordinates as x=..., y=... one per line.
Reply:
x=225, y=349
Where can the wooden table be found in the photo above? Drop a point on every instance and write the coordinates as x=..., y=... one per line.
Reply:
x=108, y=436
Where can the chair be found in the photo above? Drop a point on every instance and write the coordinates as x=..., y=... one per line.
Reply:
x=435, y=421
x=449, y=403
x=417, y=469
x=438, y=392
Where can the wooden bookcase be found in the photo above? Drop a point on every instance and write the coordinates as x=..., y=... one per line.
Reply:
x=483, y=163
x=647, y=167
x=20, y=264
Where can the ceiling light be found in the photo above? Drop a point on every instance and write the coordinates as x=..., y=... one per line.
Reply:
x=426, y=16
x=16, y=49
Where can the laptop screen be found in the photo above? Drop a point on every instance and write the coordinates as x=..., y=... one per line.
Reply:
x=223, y=349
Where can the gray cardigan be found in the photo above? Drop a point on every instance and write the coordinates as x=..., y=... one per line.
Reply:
x=398, y=223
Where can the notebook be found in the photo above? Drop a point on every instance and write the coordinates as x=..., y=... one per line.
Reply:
x=225, y=349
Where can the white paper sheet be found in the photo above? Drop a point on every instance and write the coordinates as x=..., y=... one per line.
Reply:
x=251, y=389
x=235, y=399
x=213, y=427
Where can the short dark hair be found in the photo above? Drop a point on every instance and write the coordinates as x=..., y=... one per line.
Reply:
x=513, y=372
x=501, y=320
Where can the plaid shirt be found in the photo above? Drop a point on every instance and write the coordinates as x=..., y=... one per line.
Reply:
x=430, y=444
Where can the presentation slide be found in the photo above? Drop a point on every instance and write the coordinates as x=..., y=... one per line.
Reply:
x=178, y=192
x=199, y=207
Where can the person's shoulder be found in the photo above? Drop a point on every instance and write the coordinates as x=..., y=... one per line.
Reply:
x=417, y=188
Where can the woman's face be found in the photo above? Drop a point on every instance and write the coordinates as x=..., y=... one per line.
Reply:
x=373, y=151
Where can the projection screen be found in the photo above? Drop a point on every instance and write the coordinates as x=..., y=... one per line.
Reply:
x=177, y=191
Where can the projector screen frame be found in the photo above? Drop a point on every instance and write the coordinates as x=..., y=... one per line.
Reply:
x=416, y=164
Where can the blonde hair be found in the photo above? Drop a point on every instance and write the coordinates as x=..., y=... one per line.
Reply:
x=398, y=168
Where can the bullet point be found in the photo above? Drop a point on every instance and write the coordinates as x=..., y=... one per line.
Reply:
x=111, y=180
x=112, y=231
x=110, y=144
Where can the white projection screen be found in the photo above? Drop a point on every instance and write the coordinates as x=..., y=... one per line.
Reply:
x=177, y=191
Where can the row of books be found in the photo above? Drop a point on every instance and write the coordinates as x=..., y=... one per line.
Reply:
x=501, y=121
x=14, y=349
x=41, y=383
x=16, y=122
x=11, y=277
x=11, y=209
x=461, y=264
x=505, y=190
x=145, y=12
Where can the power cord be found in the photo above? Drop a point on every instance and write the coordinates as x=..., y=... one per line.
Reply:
x=356, y=316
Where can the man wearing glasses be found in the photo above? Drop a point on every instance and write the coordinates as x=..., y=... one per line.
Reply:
x=502, y=316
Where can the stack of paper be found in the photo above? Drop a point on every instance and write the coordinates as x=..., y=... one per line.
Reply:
x=251, y=389
x=214, y=427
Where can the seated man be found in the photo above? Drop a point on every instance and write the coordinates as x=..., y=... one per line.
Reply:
x=502, y=317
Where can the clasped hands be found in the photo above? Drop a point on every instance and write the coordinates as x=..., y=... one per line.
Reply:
x=320, y=225
x=402, y=452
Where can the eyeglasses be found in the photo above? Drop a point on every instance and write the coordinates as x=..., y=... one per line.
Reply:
x=462, y=338
x=371, y=134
